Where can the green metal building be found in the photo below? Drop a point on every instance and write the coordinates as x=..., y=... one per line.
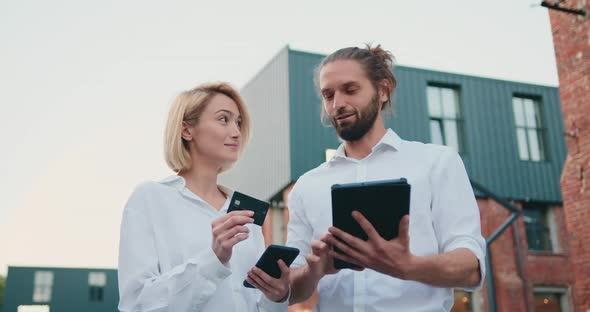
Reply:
x=509, y=134
x=47, y=289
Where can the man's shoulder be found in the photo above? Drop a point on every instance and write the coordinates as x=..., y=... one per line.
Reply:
x=311, y=178
x=429, y=150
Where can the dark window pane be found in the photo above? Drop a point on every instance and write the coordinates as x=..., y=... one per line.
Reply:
x=548, y=302
x=463, y=301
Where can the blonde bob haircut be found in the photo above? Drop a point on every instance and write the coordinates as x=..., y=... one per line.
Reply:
x=188, y=107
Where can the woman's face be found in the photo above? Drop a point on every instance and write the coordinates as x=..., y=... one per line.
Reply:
x=216, y=137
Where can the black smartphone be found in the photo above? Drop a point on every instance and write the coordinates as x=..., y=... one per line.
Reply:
x=268, y=262
x=240, y=201
x=383, y=203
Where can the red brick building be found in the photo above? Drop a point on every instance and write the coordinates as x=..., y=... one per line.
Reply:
x=571, y=37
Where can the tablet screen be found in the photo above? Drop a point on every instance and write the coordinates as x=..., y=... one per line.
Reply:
x=383, y=203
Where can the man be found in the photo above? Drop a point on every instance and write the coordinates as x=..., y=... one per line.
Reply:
x=439, y=245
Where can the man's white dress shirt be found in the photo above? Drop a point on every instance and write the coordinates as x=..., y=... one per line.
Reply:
x=444, y=216
x=165, y=258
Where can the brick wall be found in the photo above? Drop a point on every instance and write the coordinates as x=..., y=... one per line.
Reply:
x=571, y=36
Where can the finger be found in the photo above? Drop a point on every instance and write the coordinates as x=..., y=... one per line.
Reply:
x=346, y=249
x=236, y=220
x=228, y=244
x=274, y=283
x=319, y=247
x=404, y=228
x=246, y=213
x=312, y=259
x=233, y=232
x=257, y=275
x=366, y=225
x=230, y=222
x=350, y=240
x=284, y=269
x=252, y=282
x=346, y=258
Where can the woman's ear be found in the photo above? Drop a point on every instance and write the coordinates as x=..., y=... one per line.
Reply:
x=186, y=132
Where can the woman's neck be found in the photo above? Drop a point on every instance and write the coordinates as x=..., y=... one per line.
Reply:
x=202, y=180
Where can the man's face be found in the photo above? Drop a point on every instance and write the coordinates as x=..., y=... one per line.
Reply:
x=350, y=100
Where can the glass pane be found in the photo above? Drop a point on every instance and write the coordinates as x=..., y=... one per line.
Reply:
x=449, y=103
x=436, y=134
x=529, y=113
x=32, y=308
x=537, y=114
x=523, y=151
x=433, y=98
x=537, y=231
x=534, y=145
x=518, y=112
x=451, y=134
x=547, y=302
x=97, y=279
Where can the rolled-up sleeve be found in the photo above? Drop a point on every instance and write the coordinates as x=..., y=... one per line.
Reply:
x=455, y=212
x=300, y=232
x=142, y=287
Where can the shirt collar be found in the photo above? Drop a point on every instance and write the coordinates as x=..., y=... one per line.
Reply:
x=178, y=182
x=389, y=139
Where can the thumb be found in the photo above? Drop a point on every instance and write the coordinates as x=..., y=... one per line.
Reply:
x=284, y=268
x=404, y=227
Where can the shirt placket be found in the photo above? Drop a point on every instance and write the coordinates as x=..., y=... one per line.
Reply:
x=359, y=284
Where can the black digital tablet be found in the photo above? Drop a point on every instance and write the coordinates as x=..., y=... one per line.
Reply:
x=383, y=203
x=268, y=262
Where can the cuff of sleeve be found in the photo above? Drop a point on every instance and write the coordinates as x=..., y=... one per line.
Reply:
x=211, y=268
x=267, y=305
x=479, y=252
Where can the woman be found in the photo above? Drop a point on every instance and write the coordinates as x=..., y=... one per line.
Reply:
x=180, y=250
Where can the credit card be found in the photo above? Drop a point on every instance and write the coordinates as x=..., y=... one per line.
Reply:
x=241, y=201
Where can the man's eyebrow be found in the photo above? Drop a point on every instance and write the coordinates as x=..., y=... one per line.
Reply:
x=349, y=84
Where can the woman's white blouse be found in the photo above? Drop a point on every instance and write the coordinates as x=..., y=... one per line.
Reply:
x=165, y=258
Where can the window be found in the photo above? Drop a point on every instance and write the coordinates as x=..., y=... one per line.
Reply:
x=43, y=285
x=541, y=232
x=463, y=301
x=32, y=308
x=529, y=131
x=444, y=112
x=551, y=299
x=96, y=282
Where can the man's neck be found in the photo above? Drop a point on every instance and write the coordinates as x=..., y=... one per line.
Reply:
x=362, y=148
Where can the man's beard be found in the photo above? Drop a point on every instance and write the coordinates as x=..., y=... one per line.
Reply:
x=353, y=131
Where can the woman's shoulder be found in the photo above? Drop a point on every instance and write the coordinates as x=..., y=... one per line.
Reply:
x=149, y=192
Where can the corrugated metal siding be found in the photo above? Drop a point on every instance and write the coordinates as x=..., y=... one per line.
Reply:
x=70, y=290
x=309, y=138
x=491, y=151
x=264, y=166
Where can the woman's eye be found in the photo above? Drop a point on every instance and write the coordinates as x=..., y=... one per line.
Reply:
x=224, y=119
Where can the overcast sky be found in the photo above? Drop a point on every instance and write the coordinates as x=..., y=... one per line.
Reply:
x=85, y=86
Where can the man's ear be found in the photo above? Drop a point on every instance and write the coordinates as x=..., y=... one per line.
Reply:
x=384, y=91
x=186, y=133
